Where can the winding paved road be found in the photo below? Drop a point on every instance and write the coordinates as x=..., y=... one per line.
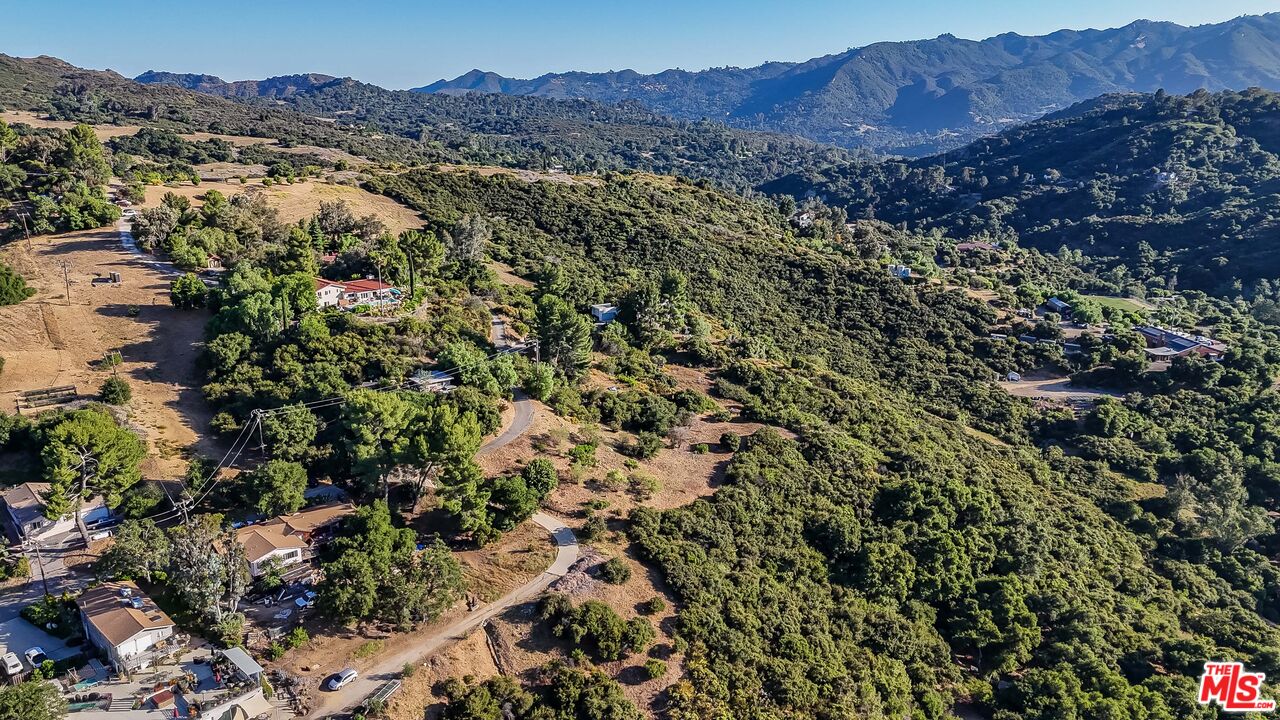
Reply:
x=519, y=424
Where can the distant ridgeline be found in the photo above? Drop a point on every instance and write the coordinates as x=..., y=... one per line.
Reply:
x=918, y=97
x=1156, y=190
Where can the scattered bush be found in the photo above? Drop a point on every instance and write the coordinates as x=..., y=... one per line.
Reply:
x=730, y=441
x=614, y=480
x=115, y=391
x=653, y=605
x=584, y=454
x=646, y=446
x=615, y=571
x=644, y=486
x=654, y=668
x=594, y=528
x=297, y=637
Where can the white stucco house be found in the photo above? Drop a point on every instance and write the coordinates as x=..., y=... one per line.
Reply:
x=125, y=624
x=328, y=293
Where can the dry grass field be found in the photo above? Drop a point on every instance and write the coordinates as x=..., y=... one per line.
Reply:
x=48, y=341
x=300, y=200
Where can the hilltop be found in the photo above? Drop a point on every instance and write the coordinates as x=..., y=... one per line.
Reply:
x=922, y=96
x=1156, y=190
x=282, y=86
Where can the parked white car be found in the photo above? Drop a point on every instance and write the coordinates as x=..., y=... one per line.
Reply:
x=35, y=656
x=341, y=679
x=12, y=665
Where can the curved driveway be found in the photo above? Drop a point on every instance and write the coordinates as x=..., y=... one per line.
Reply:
x=392, y=666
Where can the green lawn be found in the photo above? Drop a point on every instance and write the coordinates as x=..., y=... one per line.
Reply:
x=1119, y=303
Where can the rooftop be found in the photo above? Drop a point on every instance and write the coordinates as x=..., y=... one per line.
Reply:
x=366, y=286
x=260, y=541
x=312, y=519
x=26, y=501
x=245, y=664
x=119, y=610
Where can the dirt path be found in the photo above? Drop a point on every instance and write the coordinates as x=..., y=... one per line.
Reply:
x=392, y=666
x=1058, y=388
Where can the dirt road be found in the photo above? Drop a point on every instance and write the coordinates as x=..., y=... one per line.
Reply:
x=1058, y=388
x=390, y=667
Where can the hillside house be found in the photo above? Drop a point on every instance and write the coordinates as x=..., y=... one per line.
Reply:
x=268, y=542
x=976, y=246
x=24, y=513
x=125, y=624
x=604, y=312
x=348, y=294
x=1165, y=344
x=433, y=381
x=369, y=292
x=328, y=293
x=290, y=539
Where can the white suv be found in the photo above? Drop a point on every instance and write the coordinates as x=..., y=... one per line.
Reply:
x=341, y=679
x=12, y=665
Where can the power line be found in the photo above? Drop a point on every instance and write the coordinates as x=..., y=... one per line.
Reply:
x=257, y=415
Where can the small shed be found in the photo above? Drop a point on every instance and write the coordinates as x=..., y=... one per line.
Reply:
x=1061, y=307
x=246, y=667
x=604, y=312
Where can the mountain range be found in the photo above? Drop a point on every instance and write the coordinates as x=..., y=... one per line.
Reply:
x=282, y=86
x=921, y=96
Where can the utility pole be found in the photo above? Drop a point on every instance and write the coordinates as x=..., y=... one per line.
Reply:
x=27, y=233
x=66, y=278
x=40, y=562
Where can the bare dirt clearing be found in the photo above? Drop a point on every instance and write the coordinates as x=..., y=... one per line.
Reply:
x=1053, y=387
x=46, y=342
x=300, y=200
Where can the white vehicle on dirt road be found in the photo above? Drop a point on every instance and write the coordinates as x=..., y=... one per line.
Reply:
x=341, y=679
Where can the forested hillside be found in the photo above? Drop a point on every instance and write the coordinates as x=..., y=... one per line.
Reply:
x=577, y=136
x=926, y=95
x=1153, y=191
x=891, y=561
x=412, y=128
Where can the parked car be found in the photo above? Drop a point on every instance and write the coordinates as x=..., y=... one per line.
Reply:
x=35, y=656
x=341, y=679
x=12, y=665
x=307, y=600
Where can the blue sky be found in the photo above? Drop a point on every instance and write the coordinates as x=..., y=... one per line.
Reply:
x=401, y=43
